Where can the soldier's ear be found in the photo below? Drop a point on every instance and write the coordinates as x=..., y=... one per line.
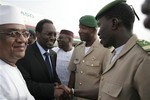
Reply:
x=115, y=23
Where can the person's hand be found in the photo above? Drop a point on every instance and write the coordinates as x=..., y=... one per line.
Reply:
x=58, y=92
x=65, y=88
x=56, y=84
x=63, y=92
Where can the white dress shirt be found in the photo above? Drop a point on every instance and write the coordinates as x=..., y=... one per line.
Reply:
x=117, y=51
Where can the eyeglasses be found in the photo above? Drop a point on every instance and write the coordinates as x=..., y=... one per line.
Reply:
x=17, y=34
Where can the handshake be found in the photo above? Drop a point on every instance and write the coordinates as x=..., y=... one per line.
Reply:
x=66, y=93
x=63, y=92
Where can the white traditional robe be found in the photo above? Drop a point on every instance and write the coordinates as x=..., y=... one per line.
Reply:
x=63, y=59
x=12, y=84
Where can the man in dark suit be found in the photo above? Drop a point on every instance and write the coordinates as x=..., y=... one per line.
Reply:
x=40, y=77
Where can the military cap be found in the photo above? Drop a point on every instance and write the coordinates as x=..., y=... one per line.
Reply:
x=10, y=15
x=67, y=32
x=31, y=31
x=88, y=20
x=108, y=7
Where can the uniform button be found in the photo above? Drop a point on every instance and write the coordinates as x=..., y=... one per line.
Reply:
x=83, y=61
x=80, y=83
x=102, y=78
x=81, y=72
x=92, y=65
x=99, y=98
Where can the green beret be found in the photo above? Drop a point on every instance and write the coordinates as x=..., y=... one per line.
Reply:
x=88, y=20
x=108, y=7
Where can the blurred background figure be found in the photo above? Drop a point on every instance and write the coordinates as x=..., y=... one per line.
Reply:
x=13, y=43
x=146, y=11
x=64, y=52
x=32, y=37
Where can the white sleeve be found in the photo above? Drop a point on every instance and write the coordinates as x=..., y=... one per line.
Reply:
x=2, y=93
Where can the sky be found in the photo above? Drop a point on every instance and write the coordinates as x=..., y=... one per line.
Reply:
x=66, y=13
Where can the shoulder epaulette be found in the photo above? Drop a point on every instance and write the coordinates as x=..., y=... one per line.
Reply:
x=79, y=43
x=145, y=45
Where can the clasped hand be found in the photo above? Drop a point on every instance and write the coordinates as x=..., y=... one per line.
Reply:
x=62, y=92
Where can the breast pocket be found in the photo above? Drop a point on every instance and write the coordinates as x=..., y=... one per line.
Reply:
x=92, y=63
x=112, y=89
x=93, y=68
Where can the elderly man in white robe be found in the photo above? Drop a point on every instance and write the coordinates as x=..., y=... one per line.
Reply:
x=13, y=43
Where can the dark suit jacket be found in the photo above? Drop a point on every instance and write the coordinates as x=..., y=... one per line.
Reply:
x=35, y=72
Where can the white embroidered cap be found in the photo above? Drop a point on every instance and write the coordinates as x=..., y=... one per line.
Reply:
x=10, y=15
